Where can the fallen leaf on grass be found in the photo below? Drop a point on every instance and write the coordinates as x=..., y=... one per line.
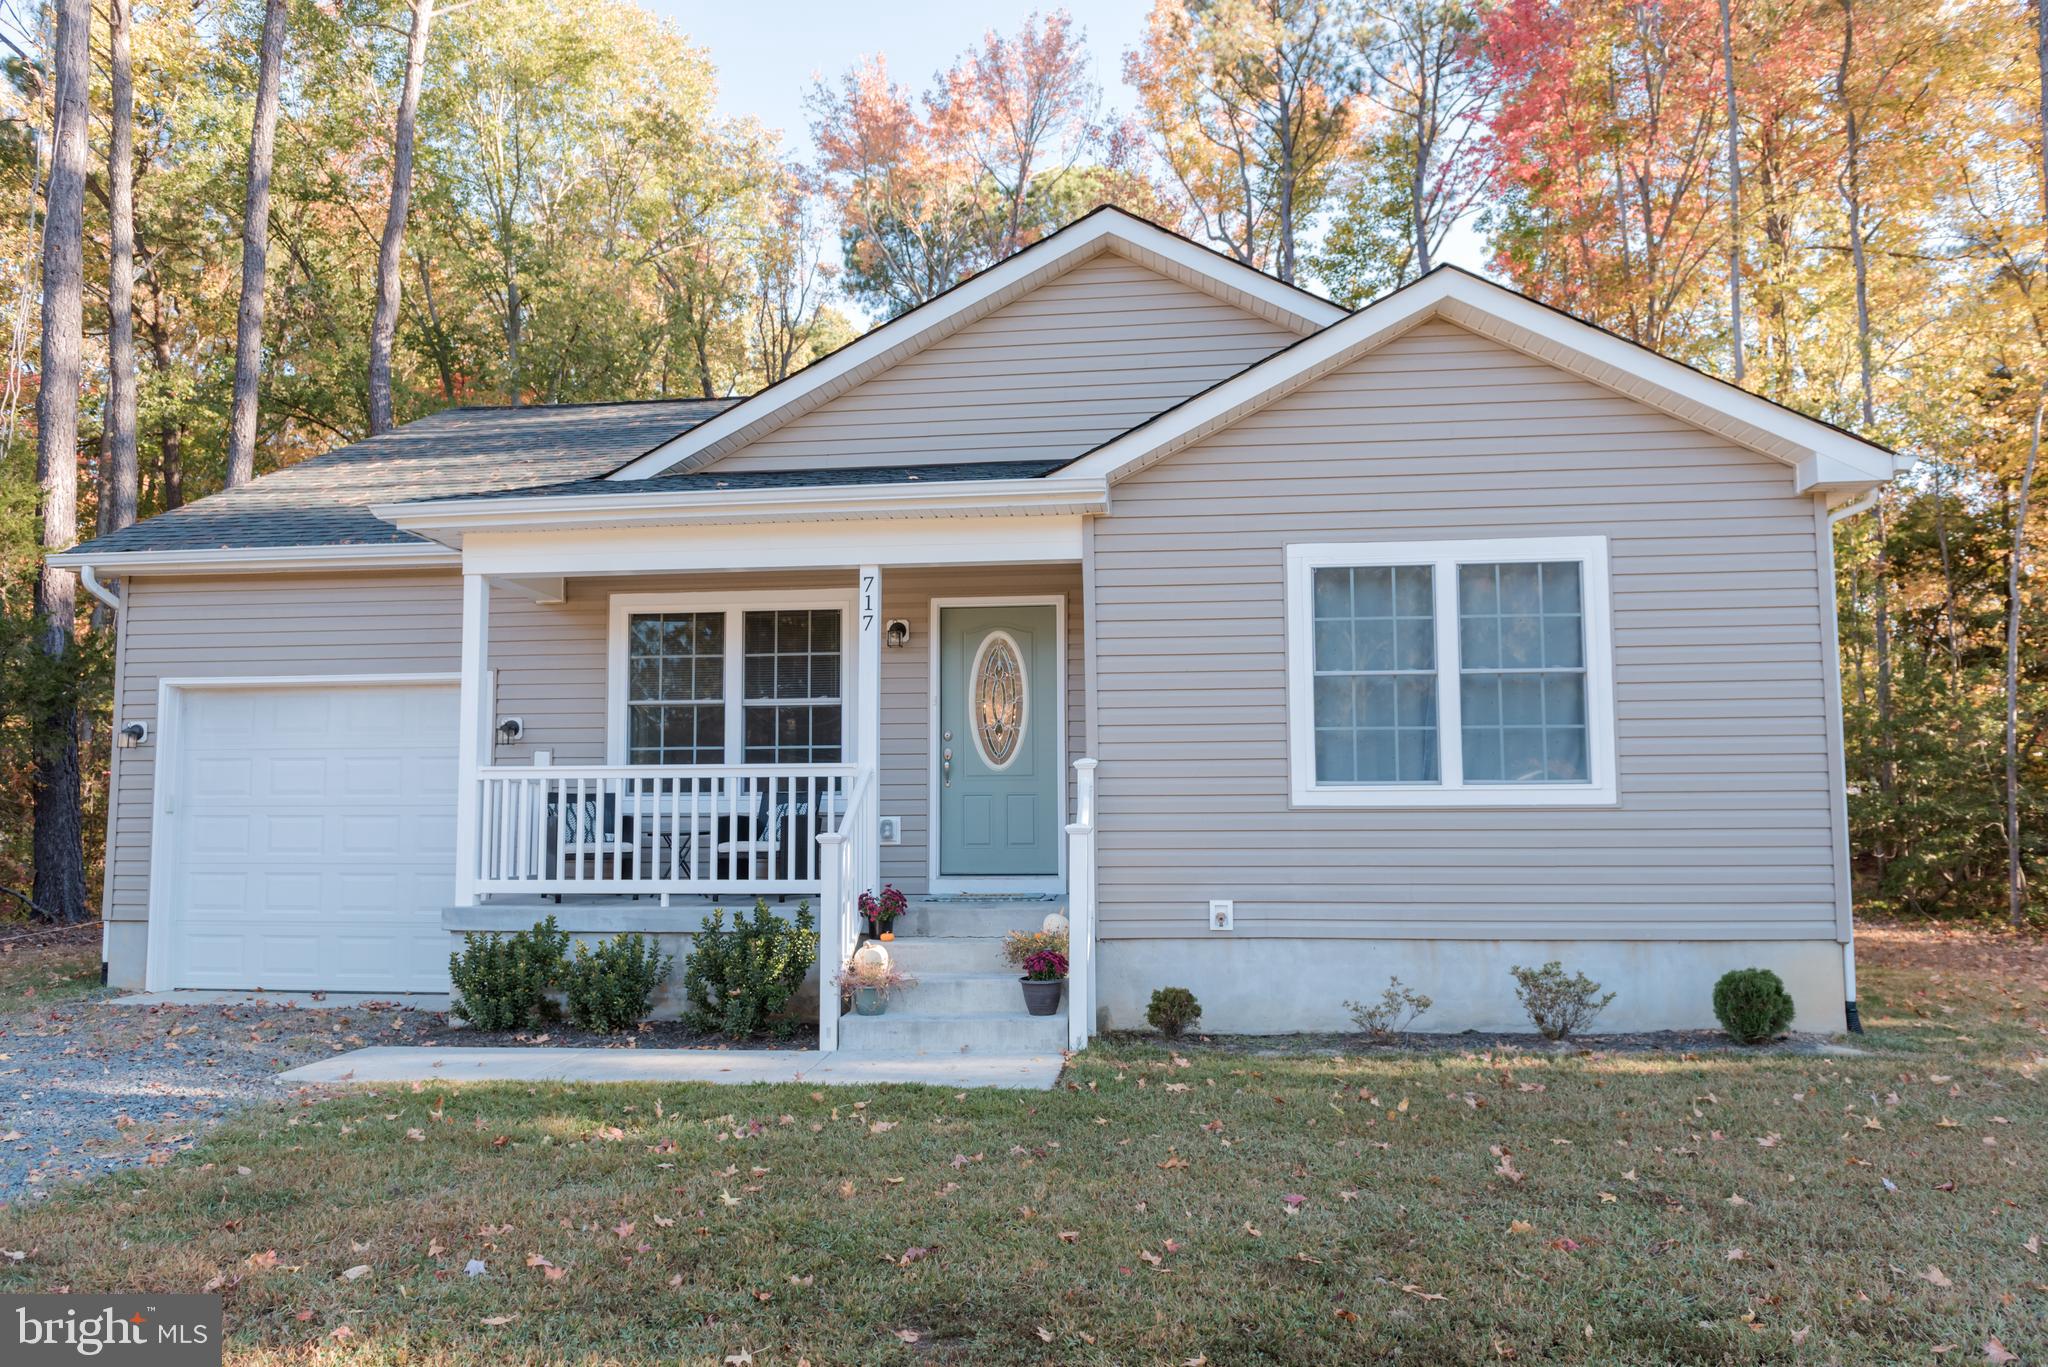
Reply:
x=1520, y=1227
x=911, y=1255
x=1994, y=1351
x=1070, y=1236
x=908, y=1335
x=1420, y=1294
x=495, y=1320
x=359, y=1270
x=1935, y=1276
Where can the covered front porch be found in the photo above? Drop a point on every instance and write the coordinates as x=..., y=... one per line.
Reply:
x=639, y=745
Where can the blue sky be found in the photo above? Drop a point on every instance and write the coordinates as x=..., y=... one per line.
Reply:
x=768, y=54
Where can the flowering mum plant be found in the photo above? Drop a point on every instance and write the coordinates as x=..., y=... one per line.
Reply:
x=881, y=912
x=1047, y=965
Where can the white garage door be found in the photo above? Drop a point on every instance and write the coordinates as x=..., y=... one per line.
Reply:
x=313, y=837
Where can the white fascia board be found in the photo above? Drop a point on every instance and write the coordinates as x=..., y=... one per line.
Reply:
x=937, y=540
x=1048, y=496
x=911, y=331
x=1818, y=453
x=262, y=559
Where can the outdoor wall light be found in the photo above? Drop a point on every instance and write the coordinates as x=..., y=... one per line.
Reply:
x=510, y=730
x=133, y=734
x=897, y=634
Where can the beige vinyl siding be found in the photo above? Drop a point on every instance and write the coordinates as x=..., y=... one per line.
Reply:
x=257, y=626
x=549, y=660
x=1088, y=355
x=1723, y=829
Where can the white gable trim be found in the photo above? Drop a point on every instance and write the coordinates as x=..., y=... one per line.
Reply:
x=1822, y=457
x=1104, y=230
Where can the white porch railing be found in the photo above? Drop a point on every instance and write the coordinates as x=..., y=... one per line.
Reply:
x=851, y=867
x=1081, y=908
x=695, y=830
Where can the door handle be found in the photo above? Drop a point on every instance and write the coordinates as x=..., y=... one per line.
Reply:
x=947, y=765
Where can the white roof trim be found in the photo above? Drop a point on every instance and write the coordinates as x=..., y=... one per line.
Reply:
x=1822, y=457
x=261, y=559
x=1103, y=230
x=1054, y=495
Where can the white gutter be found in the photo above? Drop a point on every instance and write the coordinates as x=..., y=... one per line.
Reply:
x=259, y=559
x=1046, y=496
x=93, y=586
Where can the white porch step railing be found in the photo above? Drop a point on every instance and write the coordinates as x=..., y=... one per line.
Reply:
x=1081, y=908
x=695, y=830
x=852, y=865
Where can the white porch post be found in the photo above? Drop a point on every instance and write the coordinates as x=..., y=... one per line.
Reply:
x=867, y=729
x=473, y=727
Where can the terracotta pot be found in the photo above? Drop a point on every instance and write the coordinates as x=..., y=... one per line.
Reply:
x=1042, y=998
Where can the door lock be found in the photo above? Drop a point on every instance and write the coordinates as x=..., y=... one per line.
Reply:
x=948, y=761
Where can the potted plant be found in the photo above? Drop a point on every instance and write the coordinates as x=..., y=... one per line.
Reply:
x=880, y=912
x=867, y=982
x=1045, y=974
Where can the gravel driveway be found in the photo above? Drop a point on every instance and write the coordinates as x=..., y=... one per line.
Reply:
x=88, y=1086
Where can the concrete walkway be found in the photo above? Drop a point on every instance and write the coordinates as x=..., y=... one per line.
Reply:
x=1023, y=1072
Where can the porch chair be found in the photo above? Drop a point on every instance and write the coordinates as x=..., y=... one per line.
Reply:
x=589, y=828
x=780, y=821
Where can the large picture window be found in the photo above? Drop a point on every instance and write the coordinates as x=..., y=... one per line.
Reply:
x=1450, y=673
x=746, y=678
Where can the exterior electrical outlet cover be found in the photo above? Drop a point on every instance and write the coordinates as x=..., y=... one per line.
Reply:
x=892, y=830
x=1222, y=915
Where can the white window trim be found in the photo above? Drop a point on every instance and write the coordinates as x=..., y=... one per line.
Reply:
x=733, y=605
x=1453, y=791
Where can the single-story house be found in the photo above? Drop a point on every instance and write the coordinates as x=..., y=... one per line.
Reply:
x=1284, y=648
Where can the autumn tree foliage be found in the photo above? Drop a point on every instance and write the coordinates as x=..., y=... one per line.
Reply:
x=1250, y=105
x=932, y=188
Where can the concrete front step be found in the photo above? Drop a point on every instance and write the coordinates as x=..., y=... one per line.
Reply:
x=959, y=994
x=921, y=954
x=911, y=1032
x=998, y=917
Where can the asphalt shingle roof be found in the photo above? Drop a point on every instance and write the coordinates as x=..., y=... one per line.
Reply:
x=461, y=452
x=703, y=480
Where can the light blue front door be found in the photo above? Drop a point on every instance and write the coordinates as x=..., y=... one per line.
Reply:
x=999, y=752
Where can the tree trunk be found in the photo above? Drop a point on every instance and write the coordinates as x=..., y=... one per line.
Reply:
x=1850, y=183
x=2015, y=870
x=1416, y=197
x=384, y=326
x=124, y=474
x=255, y=250
x=1734, y=195
x=59, y=887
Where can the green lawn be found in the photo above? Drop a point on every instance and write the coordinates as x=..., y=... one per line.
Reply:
x=1163, y=1207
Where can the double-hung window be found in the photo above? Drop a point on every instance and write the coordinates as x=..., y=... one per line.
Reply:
x=754, y=679
x=1458, y=673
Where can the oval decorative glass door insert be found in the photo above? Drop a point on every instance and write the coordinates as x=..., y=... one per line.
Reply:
x=997, y=699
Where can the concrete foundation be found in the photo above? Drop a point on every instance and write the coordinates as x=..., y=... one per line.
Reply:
x=1273, y=986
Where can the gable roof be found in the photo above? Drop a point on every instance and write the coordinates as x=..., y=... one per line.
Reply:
x=1823, y=456
x=325, y=501
x=1106, y=229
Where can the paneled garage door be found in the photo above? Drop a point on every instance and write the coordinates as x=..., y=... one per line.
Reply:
x=313, y=835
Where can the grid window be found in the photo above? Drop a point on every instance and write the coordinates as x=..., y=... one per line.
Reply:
x=675, y=688
x=1522, y=673
x=792, y=668
x=1375, y=674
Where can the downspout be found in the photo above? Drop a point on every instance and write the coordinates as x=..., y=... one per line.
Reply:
x=100, y=591
x=1853, y=1016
